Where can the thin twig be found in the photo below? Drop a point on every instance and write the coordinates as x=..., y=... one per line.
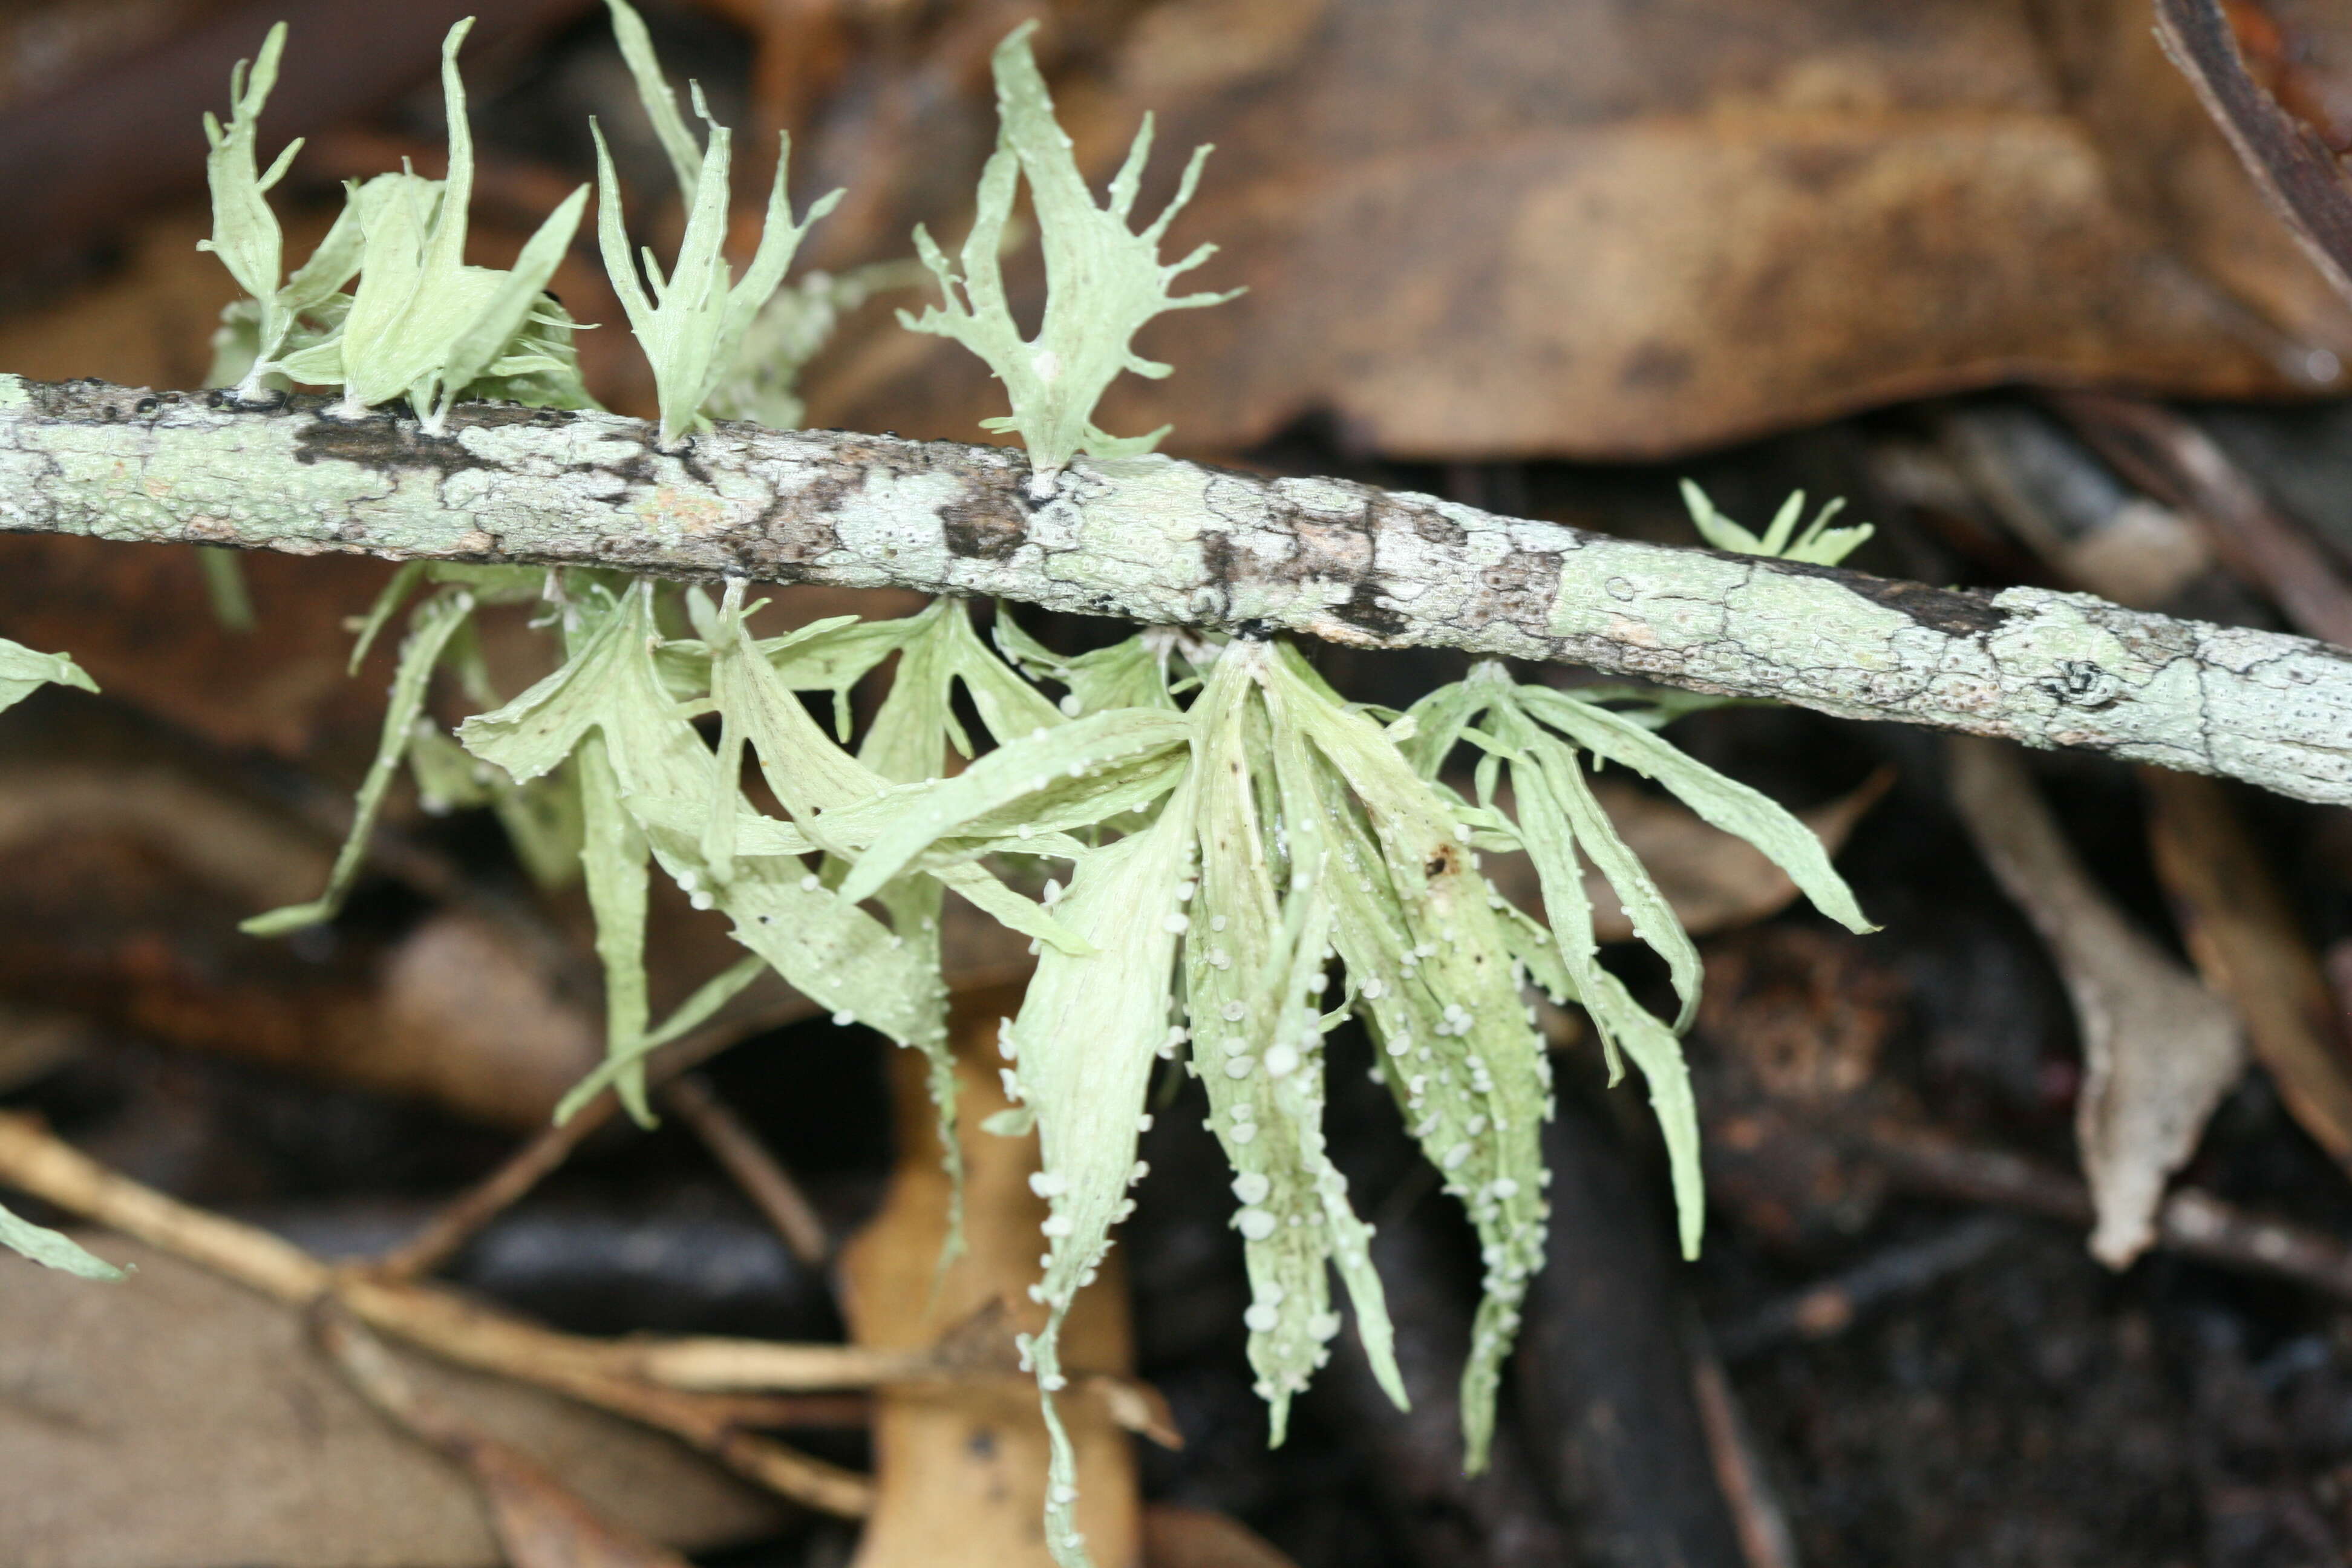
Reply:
x=1831, y=1306
x=676, y=1384
x=2193, y=1223
x=763, y=1178
x=34, y=1160
x=1762, y=1524
x=2165, y=454
x=1161, y=542
x=465, y=1216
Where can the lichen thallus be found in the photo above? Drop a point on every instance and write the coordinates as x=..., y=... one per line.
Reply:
x=1234, y=859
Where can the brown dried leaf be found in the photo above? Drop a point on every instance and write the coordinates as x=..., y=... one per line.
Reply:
x=125, y=864
x=1618, y=228
x=96, y=153
x=2247, y=943
x=2159, y=1049
x=1177, y=1537
x=2289, y=160
x=137, y=617
x=43, y=42
x=181, y=1422
x=539, y=1522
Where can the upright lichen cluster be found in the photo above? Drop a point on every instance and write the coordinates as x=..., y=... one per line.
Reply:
x=1103, y=279
x=421, y=324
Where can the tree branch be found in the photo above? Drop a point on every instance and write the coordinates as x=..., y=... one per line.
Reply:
x=1161, y=542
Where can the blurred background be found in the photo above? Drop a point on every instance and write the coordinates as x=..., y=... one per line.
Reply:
x=1983, y=268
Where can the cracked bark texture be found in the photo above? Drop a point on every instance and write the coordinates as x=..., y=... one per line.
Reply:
x=1168, y=542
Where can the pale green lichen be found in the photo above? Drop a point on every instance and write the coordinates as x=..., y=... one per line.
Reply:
x=22, y=672
x=1292, y=834
x=655, y=791
x=788, y=333
x=694, y=322
x=1536, y=733
x=1254, y=860
x=53, y=1249
x=1819, y=545
x=419, y=655
x=422, y=324
x=1103, y=280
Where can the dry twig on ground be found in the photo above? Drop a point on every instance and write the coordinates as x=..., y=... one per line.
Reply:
x=629, y=1378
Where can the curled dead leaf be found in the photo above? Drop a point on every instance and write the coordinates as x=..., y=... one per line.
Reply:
x=2246, y=941
x=2159, y=1049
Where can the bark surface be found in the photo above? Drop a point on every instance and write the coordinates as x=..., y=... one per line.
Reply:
x=1161, y=542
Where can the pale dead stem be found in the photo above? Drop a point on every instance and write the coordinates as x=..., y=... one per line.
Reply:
x=667, y=1385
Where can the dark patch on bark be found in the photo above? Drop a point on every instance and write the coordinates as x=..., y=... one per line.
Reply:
x=1363, y=608
x=495, y=415
x=1219, y=561
x=1324, y=550
x=270, y=400
x=384, y=441
x=637, y=468
x=797, y=528
x=1519, y=589
x=1945, y=610
x=688, y=456
x=978, y=528
x=86, y=401
x=1032, y=504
